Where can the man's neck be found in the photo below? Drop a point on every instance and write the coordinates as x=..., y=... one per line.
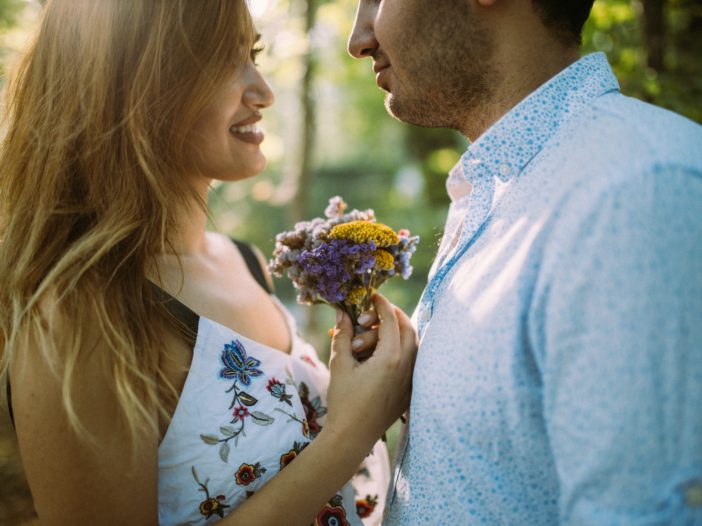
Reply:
x=519, y=73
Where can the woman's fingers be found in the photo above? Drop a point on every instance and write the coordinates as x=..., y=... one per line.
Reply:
x=368, y=319
x=365, y=341
x=408, y=336
x=388, y=329
x=341, y=340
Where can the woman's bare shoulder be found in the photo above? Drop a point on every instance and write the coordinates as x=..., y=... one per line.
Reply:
x=78, y=475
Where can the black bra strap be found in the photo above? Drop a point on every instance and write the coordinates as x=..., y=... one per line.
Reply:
x=186, y=318
x=189, y=319
x=254, y=264
x=9, y=402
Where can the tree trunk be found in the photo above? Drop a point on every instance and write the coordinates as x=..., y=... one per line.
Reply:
x=654, y=32
x=298, y=206
x=303, y=178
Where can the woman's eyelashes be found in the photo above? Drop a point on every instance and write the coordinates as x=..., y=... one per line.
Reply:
x=255, y=51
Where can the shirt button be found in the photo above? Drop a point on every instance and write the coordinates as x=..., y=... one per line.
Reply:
x=425, y=316
x=505, y=169
x=693, y=494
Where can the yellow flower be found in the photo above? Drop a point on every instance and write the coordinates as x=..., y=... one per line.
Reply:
x=355, y=296
x=365, y=232
x=384, y=260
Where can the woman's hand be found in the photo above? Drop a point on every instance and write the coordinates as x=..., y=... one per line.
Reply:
x=365, y=398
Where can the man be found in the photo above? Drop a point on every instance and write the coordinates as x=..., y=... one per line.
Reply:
x=559, y=375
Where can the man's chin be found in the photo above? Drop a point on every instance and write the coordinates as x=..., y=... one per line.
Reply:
x=415, y=113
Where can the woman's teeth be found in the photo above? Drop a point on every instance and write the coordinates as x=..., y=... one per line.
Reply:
x=250, y=128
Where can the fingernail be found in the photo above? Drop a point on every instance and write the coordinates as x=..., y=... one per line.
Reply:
x=356, y=343
x=364, y=318
x=338, y=315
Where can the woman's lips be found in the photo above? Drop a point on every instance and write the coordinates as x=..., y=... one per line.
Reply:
x=249, y=133
x=247, y=130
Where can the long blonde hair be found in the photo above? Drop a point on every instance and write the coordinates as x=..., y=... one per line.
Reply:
x=97, y=115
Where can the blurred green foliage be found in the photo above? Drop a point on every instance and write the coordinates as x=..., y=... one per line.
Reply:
x=373, y=161
x=365, y=156
x=615, y=27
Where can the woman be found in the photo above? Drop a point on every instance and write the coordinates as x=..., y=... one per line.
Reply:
x=129, y=407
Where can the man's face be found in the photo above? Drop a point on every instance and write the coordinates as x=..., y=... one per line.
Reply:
x=432, y=57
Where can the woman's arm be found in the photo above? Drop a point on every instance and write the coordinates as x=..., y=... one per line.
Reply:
x=73, y=482
x=363, y=400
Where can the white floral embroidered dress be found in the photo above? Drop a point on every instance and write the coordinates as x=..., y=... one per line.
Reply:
x=245, y=412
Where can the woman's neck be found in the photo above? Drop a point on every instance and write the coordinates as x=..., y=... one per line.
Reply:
x=188, y=237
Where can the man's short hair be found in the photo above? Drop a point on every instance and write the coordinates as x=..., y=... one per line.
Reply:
x=565, y=18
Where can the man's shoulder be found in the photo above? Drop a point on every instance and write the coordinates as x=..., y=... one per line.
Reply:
x=631, y=132
x=619, y=138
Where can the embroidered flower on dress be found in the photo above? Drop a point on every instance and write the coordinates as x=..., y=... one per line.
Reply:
x=211, y=505
x=248, y=473
x=237, y=365
x=333, y=514
x=313, y=409
x=287, y=458
x=240, y=412
x=277, y=390
x=364, y=507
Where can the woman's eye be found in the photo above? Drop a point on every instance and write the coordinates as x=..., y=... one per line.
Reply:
x=255, y=51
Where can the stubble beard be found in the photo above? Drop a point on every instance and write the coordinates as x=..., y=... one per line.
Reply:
x=450, y=83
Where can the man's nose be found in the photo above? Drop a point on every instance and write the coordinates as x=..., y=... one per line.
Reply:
x=362, y=42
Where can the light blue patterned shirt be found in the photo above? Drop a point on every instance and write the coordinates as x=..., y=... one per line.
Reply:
x=559, y=374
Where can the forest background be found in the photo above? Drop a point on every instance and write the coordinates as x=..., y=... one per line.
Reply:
x=328, y=134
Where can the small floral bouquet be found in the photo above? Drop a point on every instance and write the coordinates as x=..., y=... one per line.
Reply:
x=342, y=259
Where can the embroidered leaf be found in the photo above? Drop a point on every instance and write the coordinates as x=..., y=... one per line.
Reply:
x=246, y=399
x=262, y=419
x=227, y=431
x=195, y=475
x=224, y=452
x=209, y=439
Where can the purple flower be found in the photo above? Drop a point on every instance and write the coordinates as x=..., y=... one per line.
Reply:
x=331, y=267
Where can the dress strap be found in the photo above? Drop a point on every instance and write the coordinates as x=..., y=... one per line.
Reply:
x=187, y=318
x=9, y=402
x=254, y=264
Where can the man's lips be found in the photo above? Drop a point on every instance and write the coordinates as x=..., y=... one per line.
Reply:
x=379, y=66
x=381, y=72
x=247, y=131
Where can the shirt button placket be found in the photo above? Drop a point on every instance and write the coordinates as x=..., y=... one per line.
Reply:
x=424, y=317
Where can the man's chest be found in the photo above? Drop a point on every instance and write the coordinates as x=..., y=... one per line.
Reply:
x=477, y=360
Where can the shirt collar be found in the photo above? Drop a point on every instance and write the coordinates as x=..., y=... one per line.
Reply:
x=507, y=146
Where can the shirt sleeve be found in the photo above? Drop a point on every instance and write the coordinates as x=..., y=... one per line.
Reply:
x=622, y=352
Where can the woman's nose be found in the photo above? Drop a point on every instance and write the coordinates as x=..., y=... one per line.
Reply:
x=258, y=93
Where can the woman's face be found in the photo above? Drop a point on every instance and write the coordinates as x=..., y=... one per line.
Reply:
x=225, y=140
